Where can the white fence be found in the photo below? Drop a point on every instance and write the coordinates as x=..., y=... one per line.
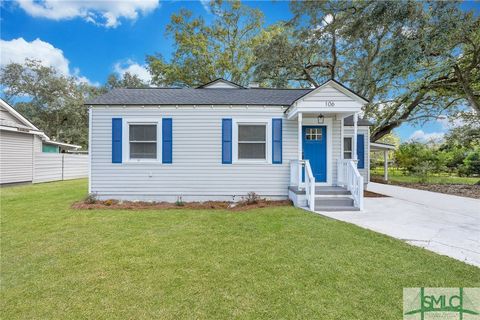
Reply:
x=59, y=166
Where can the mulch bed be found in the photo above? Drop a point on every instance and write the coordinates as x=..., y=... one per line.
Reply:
x=208, y=205
x=463, y=190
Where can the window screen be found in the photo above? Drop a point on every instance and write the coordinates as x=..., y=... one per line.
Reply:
x=143, y=141
x=347, y=148
x=251, y=141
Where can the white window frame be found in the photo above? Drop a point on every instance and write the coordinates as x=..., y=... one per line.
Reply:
x=268, y=140
x=347, y=136
x=126, y=138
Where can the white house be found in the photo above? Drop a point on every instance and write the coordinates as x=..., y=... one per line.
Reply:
x=26, y=153
x=221, y=141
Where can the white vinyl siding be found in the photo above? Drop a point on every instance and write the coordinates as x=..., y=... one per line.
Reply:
x=16, y=157
x=197, y=171
x=5, y=115
x=329, y=98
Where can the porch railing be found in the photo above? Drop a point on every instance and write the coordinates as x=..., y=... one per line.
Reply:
x=301, y=170
x=350, y=178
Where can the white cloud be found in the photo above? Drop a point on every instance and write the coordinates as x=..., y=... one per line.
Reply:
x=102, y=12
x=133, y=68
x=17, y=50
x=327, y=19
x=422, y=136
x=448, y=123
x=206, y=4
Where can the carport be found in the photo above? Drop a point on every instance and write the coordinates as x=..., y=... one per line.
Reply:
x=383, y=147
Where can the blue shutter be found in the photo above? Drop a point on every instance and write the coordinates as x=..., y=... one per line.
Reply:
x=276, y=141
x=167, y=140
x=226, y=141
x=116, y=140
x=361, y=151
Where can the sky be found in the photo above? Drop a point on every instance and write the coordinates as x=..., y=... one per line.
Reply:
x=92, y=39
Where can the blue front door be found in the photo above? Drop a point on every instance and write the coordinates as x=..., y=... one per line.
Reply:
x=315, y=150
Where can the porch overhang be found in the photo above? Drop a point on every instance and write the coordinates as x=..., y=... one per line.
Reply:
x=330, y=98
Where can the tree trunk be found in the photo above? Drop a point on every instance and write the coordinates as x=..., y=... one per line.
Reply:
x=472, y=99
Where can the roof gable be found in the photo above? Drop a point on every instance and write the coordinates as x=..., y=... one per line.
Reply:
x=15, y=116
x=220, y=83
x=334, y=89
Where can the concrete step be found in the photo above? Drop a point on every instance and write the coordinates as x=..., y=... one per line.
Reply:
x=337, y=208
x=331, y=191
x=334, y=202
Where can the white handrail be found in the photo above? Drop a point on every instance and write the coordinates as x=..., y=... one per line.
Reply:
x=299, y=168
x=350, y=177
x=309, y=185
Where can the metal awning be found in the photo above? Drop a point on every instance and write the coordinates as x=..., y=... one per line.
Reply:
x=377, y=146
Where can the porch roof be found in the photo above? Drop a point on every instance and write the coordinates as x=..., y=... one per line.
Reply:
x=378, y=146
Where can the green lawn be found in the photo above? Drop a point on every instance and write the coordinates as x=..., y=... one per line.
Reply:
x=396, y=175
x=273, y=263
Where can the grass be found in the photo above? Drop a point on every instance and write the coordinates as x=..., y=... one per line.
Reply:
x=271, y=263
x=397, y=175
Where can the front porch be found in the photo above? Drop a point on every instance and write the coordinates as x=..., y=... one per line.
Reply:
x=327, y=198
x=325, y=175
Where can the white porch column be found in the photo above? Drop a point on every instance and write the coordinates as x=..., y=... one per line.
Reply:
x=354, y=140
x=385, y=165
x=300, y=141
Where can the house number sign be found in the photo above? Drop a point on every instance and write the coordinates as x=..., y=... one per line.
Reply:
x=329, y=103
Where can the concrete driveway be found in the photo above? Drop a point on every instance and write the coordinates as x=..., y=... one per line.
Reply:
x=445, y=224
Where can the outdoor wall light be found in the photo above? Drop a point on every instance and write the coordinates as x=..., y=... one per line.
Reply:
x=320, y=118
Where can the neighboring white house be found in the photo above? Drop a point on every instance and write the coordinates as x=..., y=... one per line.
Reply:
x=221, y=141
x=28, y=155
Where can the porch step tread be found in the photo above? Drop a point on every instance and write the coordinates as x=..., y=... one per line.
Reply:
x=334, y=202
x=331, y=191
x=337, y=208
x=322, y=190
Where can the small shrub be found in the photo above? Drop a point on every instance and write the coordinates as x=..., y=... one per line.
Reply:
x=422, y=170
x=251, y=198
x=91, y=198
x=109, y=202
x=179, y=202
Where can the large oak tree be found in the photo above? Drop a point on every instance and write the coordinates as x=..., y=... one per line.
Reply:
x=412, y=60
x=205, y=51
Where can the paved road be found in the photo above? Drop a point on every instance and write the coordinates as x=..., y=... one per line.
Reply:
x=448, y=225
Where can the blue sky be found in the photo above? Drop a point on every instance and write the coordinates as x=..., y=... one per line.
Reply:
x=92, y=41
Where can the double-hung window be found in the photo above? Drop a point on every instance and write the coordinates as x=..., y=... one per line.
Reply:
x=143, y=141
x=252, y=141
x=347, y=148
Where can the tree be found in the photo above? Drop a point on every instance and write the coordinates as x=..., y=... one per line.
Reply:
x=204, y=51
x=53, y=102
x=412, y=60
x=128, y=80
x=471, y=164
